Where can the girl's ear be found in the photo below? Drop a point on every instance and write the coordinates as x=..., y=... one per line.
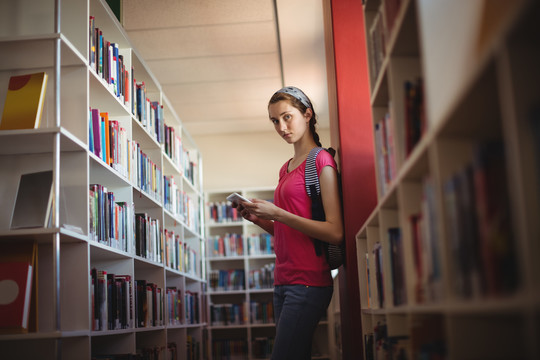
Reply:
x=308, y=114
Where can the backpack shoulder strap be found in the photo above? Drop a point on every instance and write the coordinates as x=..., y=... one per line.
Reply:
x=313, y=187
x=313, y=190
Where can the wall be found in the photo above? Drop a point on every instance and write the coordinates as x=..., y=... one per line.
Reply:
x=245, y=160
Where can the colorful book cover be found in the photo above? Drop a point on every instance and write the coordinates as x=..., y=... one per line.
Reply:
x=24, y=102
x=15, y=295
x=96, y=126
x=106, y=137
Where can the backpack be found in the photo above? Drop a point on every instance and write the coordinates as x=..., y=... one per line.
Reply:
x=335, y=254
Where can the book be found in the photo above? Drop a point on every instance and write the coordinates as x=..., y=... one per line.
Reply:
x=96, y=135
x=18, y=287
x=397, y=266
x=15, y=293
x=379, y=276
x=33, y=201
x=106, y=137
x=24, y=101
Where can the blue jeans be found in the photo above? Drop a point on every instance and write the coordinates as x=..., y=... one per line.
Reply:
x=297, y=311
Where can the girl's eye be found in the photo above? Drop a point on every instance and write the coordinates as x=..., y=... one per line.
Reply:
x=287, y=117
x=275, y=122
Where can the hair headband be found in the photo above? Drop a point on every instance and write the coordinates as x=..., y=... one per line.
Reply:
x=296, y=93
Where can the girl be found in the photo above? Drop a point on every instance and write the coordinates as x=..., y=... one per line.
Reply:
x=302, y=280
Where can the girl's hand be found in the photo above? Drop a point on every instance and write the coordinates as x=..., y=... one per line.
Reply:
x=258, y=212
x=243, y=211
x=260, y=209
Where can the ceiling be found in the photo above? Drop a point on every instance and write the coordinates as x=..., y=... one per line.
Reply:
x=220, y=61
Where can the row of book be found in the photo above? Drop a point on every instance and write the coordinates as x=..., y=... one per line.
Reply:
x=180, y=204
x=174, y=305
x=229, y=348
x=182, y=158
x=110, y=143
x=193, y=348
x=480, y=227
x=228, y=314
x=232, y=244
x=260, y=244
x=106, y=60
x=110, y=221
x=154, y=245
x=173, y=197
x=112, y=301
x=226, y=280
x=116, y=224
x=262, y=278
x=261, y=347
x=396, y=276
x=426, y=258
x=148, y=237
x=261, y=312
x=148, y=304
x=190, y=166
x=172, y=146
x=191, y=213
x=118, y=302
x=149, y=113
x=179, y=255
x=151, y=117
x=182, y=309
x=384, y=132
x=225, y=245
x=108, y=63
x=479, y=235
x=222, y=212
x=170, y=352
x=192, y=307
x=426, y=286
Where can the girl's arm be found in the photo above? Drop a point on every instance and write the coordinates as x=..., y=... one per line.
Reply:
x=330, y=230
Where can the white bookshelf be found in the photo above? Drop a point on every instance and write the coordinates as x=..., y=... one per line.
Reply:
x=67, y=253
x=469, y=298
x=248, y=329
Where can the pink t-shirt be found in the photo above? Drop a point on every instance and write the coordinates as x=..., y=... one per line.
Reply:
x=296, y=260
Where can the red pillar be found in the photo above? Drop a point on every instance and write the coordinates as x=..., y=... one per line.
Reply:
x=357, y=159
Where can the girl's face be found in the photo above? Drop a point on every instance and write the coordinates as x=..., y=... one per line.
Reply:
x=288, y=121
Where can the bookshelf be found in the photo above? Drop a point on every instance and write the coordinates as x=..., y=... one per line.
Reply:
x=238, y=250
x=446, y=259
x=166, y=187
